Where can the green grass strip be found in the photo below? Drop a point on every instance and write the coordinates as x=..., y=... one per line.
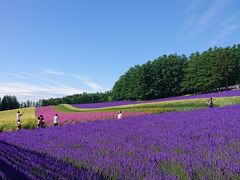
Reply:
x=157, y=107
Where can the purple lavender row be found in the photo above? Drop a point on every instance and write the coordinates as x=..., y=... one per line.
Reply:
x=208, y=95
x=18, y=163
x=185, y=145
x=104, y=104
x=120, y=103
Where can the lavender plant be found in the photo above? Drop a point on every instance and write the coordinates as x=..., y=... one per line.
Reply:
x=186, y=145
x=121, y=103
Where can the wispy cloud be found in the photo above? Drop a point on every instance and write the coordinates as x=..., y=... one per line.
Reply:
x=227, y=27
x=52, y=72
x=93, y=85
x=26, y=91
x=210, y=22
x=35, y=86
x=212, y=11
x=14, y=75
x=196, y=23
x=194, y=5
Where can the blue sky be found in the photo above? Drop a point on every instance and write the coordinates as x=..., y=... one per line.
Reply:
x=52, y=48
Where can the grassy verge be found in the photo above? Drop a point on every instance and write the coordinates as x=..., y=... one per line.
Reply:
x=8, y=119
x=157, y=107
x=29, y=121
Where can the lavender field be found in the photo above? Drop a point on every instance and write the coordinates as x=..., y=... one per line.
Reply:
x=176, y=145
x=105, y=104
x=121, y=103
x=48, y=113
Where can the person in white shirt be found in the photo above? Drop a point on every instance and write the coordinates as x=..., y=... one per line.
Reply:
x=119, y=115
x=55, y=120
x=210, y=103
x=19, y=119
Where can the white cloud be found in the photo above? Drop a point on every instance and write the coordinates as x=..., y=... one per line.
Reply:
x=196, y=23
x=26, y=91
x=228, y=26
x=93, y=85
x=34, y=86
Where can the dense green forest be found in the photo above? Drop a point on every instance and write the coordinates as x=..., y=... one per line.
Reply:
x=79, y=99
x=169, y=75
x=9, y=102
x=166, y=76
x=159, y=78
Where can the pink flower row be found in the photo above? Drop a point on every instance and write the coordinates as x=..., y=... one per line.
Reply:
x=49, y=112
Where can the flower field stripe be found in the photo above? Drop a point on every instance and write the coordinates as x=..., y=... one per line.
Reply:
x=198, y=144
x=173, y=105
x=231, y=93
x=7, y=170
x=104, y=104
x=69, y=113
x=33, y=165
x=69, y=118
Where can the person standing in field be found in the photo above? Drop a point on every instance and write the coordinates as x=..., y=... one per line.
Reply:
x=210, y=103
x=119, y=115
x=55, y=120
x=19, y=120
x=41, y=122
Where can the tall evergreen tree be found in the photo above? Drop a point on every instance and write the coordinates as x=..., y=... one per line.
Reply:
x=10, y=102
x=211, y=70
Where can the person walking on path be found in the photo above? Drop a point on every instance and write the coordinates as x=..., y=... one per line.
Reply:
x=19, y=120
x=55, y=120
x=210, y=103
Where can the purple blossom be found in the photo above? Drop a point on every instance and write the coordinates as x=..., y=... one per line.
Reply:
x=48, y=113
x=196, y=144
x=105, y=104
x=121, y=103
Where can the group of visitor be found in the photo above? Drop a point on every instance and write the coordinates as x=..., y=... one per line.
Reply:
x=40, y=124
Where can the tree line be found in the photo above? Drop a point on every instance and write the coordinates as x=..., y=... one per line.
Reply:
x=11, y=102
x=169, y=75
x=79, y=99
x=166, y=76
